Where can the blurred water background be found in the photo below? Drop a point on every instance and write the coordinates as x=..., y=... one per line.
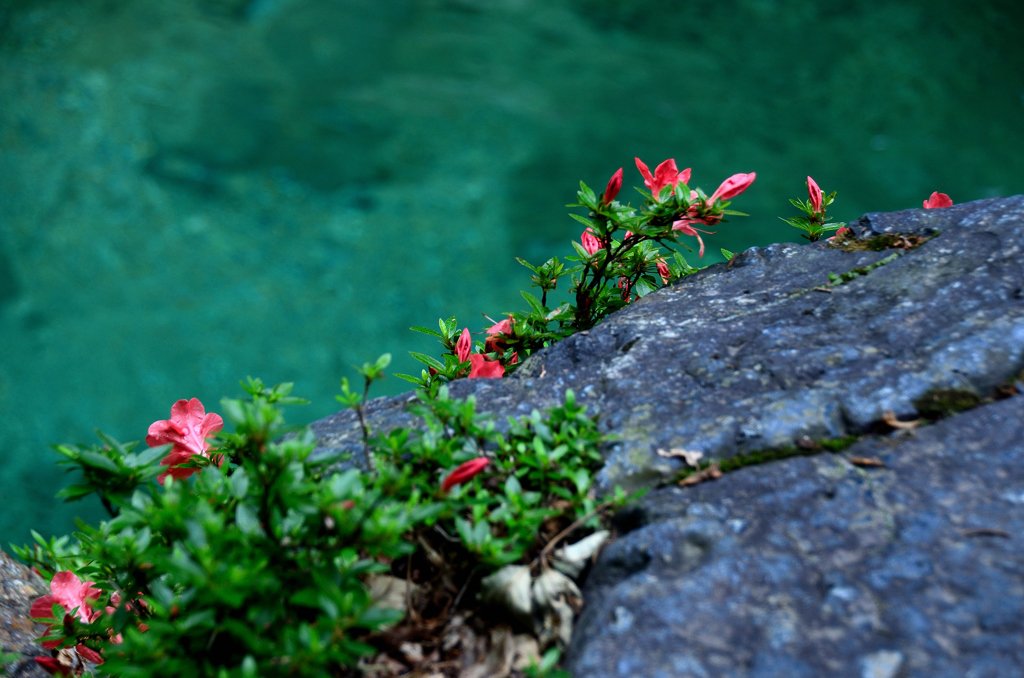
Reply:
x=192, y=191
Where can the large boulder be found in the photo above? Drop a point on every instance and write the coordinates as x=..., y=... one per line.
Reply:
x=814, y=565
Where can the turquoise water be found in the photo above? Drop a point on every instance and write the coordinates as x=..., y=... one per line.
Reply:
x=192, y=191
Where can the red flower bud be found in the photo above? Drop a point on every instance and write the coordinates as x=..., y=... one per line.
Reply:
x=938, y=200
x=614, y=184
x=815, y=194
x=590, y=242
x=732, y=187
x=463, y=346
x=464, y=472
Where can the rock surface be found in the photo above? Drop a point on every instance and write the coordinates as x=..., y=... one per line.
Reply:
x=815, y=567
x=19, y=587
x=760, y=353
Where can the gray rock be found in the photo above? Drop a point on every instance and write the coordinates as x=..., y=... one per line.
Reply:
x=19, y=587
x=815, y=567
x=755, y=355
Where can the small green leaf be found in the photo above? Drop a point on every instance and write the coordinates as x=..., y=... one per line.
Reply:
x=533, y=301
x=424, y=330
x=583, y=220
x=99, y=461
x=239, y=483
x=428, y=361
x=247, y=521
x=727, y=254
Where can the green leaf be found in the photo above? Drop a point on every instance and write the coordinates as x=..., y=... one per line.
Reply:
x=727, y=254
x=151, y=455
x=513, y=487
x=247, y=521
x=75, y=492
x=525, y=263
x=424, y=330
x=533, y=301
x=96, y=460
x=583, y=220
x=383, y=361
x=582, y=252
x=408, y=377
x=239, y=483
x=428, y=361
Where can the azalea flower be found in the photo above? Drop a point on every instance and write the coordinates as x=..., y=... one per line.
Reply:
x=612, y=190
x=70, y=592
x=496, y=335
x=480, y=366
x=732, y=187
x=590, y=242
x=664, y=271
x=665, y=174
x=684, y=226
x=938, y=200
x=464, y=472
x=815, y=194
x=187, y=429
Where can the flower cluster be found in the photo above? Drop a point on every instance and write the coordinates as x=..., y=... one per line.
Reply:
x=619, y=261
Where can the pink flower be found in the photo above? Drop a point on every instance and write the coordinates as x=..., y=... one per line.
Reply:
x=665, y=174
x=187, y=429
x=463, y=346
x=479, y=366
x=464, y=472
x=482, y=367
x=612, y=190
x=590, y=242
x=815, y=194
x=732, y=187
x=683, y=225
x=496, y=335
x=70, y=592
x=502, y=327
x=938, y=200
x=664, y=271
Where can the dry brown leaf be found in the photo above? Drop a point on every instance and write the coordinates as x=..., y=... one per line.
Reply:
x=890, y=419
x=691, y=457
x=712, y=472
x=806, y=443
x=866, y=461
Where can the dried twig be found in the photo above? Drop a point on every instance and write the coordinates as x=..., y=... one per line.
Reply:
x=866, y=461
x=713, y=472
x=890, y=419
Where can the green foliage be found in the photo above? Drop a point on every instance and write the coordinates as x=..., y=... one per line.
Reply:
x=814, y=223
x=627, y=262
x=261, y=565
x=7, y=658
